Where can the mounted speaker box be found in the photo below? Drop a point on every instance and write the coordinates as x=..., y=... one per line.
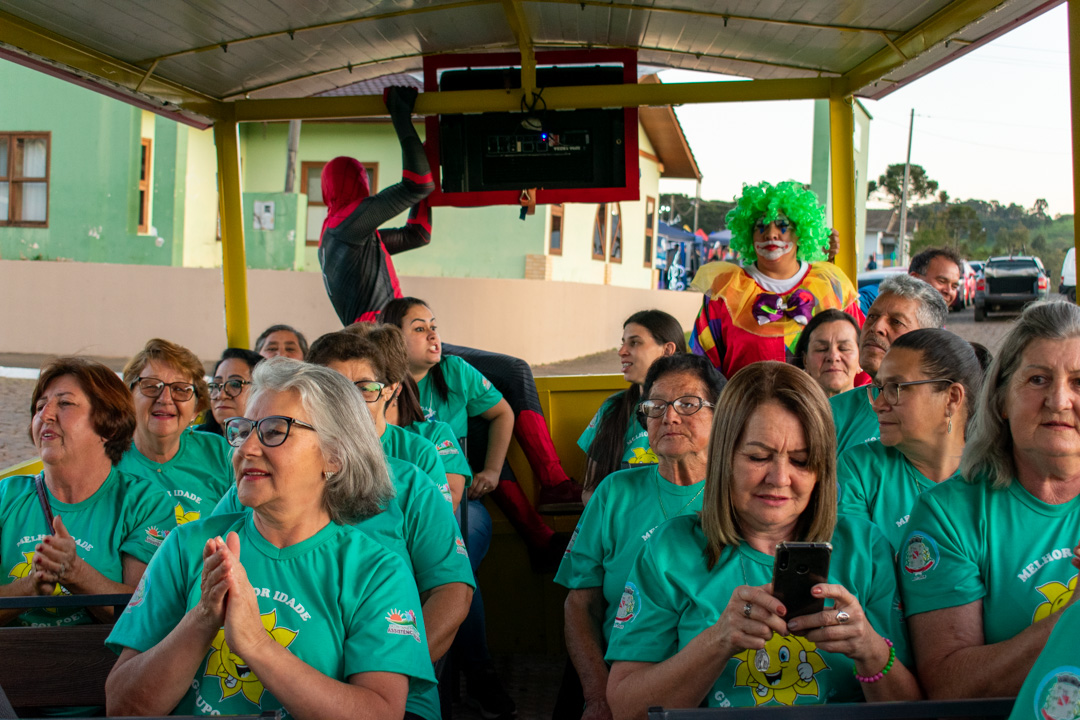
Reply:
x=585, y=155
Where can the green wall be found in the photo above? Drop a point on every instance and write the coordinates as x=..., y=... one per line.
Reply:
x=94, y=172
x=466, y=242
x=283, y=247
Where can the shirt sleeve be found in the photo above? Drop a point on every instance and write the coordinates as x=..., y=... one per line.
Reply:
x=150, y=517
x=449, y=450
x=882, y=603
x=651, y=632
x=589, y=435
x=433, y=539
x=385, y=632
x=937, y=563
x=582, y=565
x=158, y=603
x=851, y=493
x=480, y=394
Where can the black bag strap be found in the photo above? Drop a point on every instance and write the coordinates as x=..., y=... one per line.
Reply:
x=43, y=499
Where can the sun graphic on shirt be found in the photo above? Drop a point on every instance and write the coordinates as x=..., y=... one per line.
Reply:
x=235, y=676
x=1057, y=594
x=26, y=567
x=784, y=669
x=185, y=517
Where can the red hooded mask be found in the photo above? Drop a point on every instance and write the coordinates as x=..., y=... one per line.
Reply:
x=344, y=186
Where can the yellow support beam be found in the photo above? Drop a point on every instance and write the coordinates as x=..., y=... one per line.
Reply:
x=1074, y=86
x=937, y=28
x=557, y=98
x=515, y=17
x=233, y=255
x=842, y=150
x=66, y=54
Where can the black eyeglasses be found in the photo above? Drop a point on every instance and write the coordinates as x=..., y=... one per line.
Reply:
x=232, y=387
x=151, y=387
x=686, y=405
x=891, y=390
x=370, y=389
x=272, y=430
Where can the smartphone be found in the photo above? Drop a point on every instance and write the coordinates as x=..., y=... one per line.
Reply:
x=798, y=567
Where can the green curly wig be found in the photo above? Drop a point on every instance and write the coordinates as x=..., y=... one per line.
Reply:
x=766, y=200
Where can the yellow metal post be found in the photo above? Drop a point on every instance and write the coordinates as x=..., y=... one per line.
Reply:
x=1074, y=85
x=842, y=155
x=231, y=204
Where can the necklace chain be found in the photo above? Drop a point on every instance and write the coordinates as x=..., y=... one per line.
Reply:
x=660, y=497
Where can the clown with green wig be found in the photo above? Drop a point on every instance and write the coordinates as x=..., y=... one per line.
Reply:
x=757, y=312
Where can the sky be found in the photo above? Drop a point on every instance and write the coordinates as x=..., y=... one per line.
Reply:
x=992, y=125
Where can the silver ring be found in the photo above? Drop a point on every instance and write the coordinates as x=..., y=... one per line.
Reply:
x=746, y=609
x=842, y=617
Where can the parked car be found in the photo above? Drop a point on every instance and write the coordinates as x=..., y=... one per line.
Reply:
x=1009, y=283
x=874, y=277
x=965, y=294
x=1068, y=276
x=977, y=266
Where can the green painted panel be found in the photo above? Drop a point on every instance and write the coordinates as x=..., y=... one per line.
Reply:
x=274, y=248
x=94, y=171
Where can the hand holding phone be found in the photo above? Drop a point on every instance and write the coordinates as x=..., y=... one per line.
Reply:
x=797, y=568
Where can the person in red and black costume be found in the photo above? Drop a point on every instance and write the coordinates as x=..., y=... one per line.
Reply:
x=353, y=252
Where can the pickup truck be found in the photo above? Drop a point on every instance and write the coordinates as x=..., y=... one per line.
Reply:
x=1009, y=283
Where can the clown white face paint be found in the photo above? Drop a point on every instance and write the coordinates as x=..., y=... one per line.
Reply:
x=775, y=239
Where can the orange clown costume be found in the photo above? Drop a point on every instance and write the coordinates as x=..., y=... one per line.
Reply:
x=742, y=323
x=757, y=312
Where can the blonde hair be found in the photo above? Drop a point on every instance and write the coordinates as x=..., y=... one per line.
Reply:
x=750, y=388
x=177, y=357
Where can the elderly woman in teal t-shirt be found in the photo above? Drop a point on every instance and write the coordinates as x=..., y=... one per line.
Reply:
x=697, y=621
x=289, y=605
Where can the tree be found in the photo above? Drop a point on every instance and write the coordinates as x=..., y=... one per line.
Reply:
x=892, y=184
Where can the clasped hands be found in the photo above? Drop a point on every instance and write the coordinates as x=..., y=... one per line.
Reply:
x=55, y=561
x=228, y=599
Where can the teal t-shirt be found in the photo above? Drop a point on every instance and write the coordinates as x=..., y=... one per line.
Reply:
x=338, y=601
x=470, y=394
x=855, y=419
x=1052, y=688
x=879, y=484
x=968, y=542
x=196, y=477
x=446, y=444
x=671, y=597
x=128, y=515
x=637, y=451
x=419, y=526
x=410, y=447
x=616, y=524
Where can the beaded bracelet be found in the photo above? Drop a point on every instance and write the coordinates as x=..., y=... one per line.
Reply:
x=884, y=671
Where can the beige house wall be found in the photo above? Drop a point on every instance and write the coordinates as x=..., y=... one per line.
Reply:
x=111, y=310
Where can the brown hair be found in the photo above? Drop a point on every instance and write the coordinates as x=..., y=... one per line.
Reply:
x=342, y=346
x=112, y=409
x=180, y=358
x=749, y=389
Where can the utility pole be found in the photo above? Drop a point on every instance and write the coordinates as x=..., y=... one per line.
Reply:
x=290, y=156
x=904, y=190
x=697, y=204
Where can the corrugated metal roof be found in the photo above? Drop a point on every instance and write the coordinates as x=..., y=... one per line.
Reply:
x=289, y=49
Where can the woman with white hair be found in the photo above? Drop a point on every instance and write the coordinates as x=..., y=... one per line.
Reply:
x=318, y=618
x=988, y=562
